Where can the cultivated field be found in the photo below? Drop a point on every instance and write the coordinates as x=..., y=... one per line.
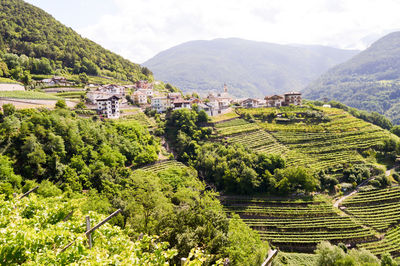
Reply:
x=337, y=140
x=298, y=225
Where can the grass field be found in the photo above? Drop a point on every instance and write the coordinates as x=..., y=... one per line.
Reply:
x=32, y=95
x=9, y=81
x=223, y=117
x=138, y=116
x=70, y=94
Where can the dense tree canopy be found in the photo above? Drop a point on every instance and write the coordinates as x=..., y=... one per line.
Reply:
x=31, y=39
x=69, y=155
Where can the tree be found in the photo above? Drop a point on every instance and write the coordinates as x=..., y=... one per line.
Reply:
x=293, y=179
x=26, y=78
x=4, y=72
x=146, y=71
x=244, y=246
x=203, y=117
x=7, y=174
x=396, y=130
x=8, y=109
x=83, y=78
x=61, y=104
x=387, y=260
x=80, y=105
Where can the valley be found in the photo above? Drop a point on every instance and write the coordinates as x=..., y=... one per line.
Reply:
x=218, y=158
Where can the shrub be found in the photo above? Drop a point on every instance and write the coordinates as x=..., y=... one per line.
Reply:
x=61, y=104
x=48, y=189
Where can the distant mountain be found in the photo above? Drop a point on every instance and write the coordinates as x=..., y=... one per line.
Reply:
x=249, y=68
x=369, y=81
x=50, y=46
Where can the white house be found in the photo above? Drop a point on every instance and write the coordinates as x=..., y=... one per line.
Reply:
x=147, y=92
x=57, y=81
x=206, y=108
x=275, y=101
x=160, y=104
x=113, y=89
x=109, y=107
x=106, y=91
x=94, y=95
x=250, y=103
x=139, y=97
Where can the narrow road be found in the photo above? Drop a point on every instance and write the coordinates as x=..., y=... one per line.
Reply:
x=341, y=199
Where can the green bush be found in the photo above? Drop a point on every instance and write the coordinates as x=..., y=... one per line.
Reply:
x=48, y=189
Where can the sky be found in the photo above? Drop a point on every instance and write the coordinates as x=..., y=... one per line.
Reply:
x=139, y=29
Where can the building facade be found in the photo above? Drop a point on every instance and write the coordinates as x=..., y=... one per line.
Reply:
x=160, y=104
x=109, y=107
x=292, y=98
x=139, y=97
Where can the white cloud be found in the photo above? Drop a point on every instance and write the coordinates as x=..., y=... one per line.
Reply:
x=141, y=28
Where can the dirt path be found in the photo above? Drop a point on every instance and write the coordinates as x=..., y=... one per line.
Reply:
x=341, y=199
x=164, y=148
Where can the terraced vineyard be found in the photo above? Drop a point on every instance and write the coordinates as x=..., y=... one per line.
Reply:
x=367, y=219
x=315, y=145
x=379, y=209
x=260, y=141
x=162, y=165
x=236, y=126
x=299, y=225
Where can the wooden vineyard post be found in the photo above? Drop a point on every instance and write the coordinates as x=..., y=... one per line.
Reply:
x=68, y=216
x=271, y=255
x=183, y=261
x=29, y=192
x=89, y=236
x=90, y=230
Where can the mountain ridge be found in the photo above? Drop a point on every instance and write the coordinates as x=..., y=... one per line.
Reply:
x=250, y=68
x=368, y=81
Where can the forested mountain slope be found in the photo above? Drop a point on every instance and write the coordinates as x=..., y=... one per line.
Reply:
x=369, y=81
x=249, y=68
x=51, y=46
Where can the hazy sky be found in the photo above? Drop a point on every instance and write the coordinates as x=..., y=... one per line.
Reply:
x=139, y=29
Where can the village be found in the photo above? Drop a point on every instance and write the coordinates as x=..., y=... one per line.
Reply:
x=110, y=99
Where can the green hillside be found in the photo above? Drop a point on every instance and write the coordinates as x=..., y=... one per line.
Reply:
x=249, y=68
x=49, y=47
x=342, y=151
x=94, y=167
x=369, y=81
x=317, y=138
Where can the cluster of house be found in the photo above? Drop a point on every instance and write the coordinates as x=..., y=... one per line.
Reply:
x=212, y=104
x=215, y=104
x=108, y=97
x=143, y=92
x=289, y=98
x=56, y=81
